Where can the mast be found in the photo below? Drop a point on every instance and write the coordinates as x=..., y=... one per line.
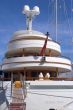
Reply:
x=56, y=19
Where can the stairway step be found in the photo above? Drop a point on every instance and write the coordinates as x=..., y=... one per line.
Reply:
x=17, y=106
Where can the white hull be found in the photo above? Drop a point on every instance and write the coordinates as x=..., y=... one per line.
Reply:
x=49, y=94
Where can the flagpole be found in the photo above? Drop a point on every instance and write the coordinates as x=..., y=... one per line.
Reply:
x=42, y=53
x=56, y=20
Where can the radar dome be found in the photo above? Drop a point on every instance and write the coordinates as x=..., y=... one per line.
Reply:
x=36, y=8
x=26, y=8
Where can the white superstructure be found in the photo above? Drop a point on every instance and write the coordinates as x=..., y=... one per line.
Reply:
x=24, y=50
x=23, y=60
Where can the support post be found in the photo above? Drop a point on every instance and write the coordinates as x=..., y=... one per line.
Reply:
x=2, y=79
x=57, y=72
x=56, y=19
x=20, y=77
x=23, y=52
x=24, y=84
x=11, y=81
x=49, y=52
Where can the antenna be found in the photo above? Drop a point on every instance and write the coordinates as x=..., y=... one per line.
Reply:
x=30, y=14
x=56, y=20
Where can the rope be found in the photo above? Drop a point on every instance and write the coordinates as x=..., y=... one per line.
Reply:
x=71, y=8
x=44, y=95
x=50, y=4
x=51, y=95
x=66, y=15
x=68, y=104
x=71, y=16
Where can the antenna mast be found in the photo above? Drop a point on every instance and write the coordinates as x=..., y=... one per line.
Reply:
x=30, y=14
x=56, y=19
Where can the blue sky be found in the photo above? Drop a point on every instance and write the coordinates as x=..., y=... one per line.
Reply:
x=12, y=19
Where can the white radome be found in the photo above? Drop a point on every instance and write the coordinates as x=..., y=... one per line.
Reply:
x=26, y=8
x=36, y=8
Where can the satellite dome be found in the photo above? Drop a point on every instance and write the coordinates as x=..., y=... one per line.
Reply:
x=36, y=8
x=26, y=8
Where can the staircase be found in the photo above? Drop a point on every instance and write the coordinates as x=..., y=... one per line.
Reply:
x=17, y=106
x=17, y=99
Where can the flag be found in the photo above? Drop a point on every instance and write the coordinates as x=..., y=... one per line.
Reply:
x=42, y=53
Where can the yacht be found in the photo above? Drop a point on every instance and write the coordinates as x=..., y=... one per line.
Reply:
x=33, y=63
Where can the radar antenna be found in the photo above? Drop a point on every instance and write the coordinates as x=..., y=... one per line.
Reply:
x=30, y=14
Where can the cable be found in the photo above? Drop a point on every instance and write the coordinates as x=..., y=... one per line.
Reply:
x=71, y=8
x=50, y=3
x=71, y=17
x=68, y=104
x=45, y=95
x=66, y=15
x=56, y=19
x=51, y=95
